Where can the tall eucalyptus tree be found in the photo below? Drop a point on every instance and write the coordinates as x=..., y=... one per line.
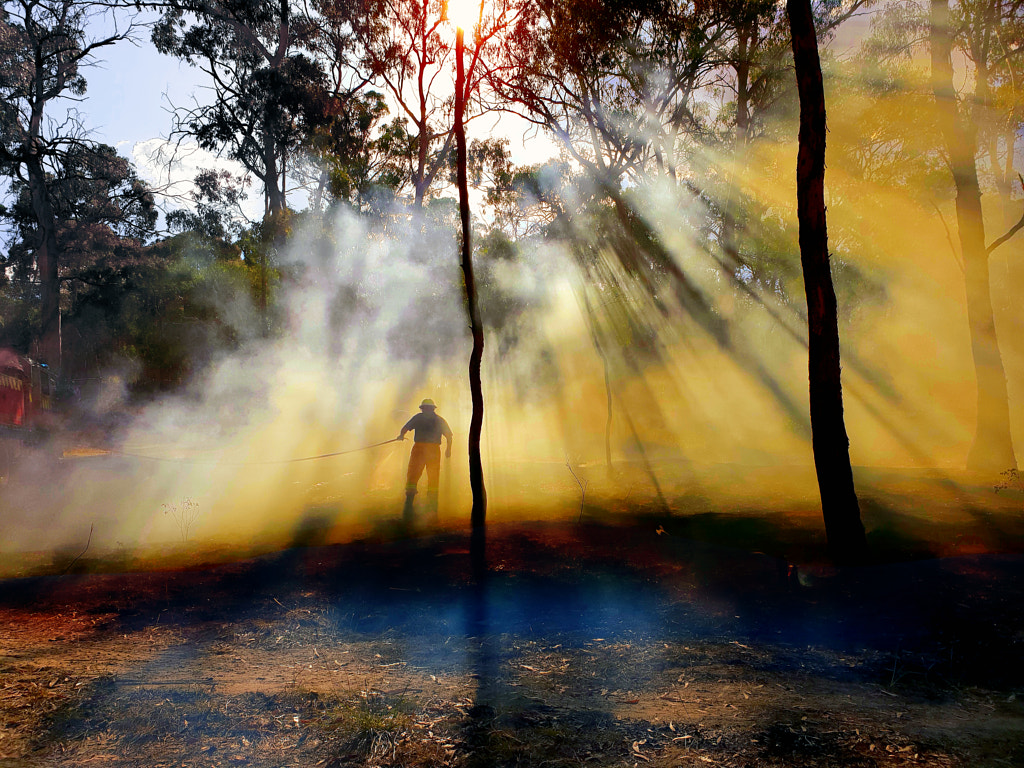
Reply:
x=268, y=91
x=45, y=46
x=992, y=448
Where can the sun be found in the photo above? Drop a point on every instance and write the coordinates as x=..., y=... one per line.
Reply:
x=464, y=14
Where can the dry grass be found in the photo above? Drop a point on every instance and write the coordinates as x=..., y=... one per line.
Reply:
x=634, y=656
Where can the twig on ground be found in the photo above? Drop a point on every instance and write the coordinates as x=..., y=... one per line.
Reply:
x=87, y=543
x=583, y=487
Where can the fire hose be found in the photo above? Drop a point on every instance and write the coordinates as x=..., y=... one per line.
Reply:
x=114, y=452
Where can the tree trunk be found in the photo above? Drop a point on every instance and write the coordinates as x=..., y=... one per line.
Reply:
x=992, y=449
x=730, y=206
x=1005, y=188
x=606, y=365
x=743, y=85
x=1000, y=263
x=274, y=220
x=830, y=444
x=47, y=263
x=275, y=194
x=478, y=541
x=419, y=178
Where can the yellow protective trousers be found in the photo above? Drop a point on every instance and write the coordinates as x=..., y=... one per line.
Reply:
x=424, y=456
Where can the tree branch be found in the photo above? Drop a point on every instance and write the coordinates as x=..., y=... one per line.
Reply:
x=1012, y=231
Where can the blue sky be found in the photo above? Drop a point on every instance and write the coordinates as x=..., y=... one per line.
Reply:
x=131, y=91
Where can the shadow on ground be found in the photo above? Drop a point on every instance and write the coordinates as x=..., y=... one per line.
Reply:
x=593, y=644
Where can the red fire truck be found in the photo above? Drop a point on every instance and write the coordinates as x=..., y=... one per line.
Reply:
x=27, y=390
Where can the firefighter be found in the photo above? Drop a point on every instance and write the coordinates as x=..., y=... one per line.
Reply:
x=428, y=428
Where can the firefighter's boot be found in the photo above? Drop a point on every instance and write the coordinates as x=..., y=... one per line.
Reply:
x=408, y=513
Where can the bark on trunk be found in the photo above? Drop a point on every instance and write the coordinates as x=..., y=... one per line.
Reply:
x=274, y=220
x=1000, y=263
x=275, y=195
x=830, y=444
x=419, y=178
x=730, y=206
x=992, y=448
x=47, y=262
x=478, y=517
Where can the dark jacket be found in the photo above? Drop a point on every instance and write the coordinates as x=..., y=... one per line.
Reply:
x=428, y=427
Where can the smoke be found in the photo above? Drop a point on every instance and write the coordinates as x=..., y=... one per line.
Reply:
x=655, y=348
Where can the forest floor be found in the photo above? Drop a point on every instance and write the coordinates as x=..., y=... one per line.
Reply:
x=639, y=643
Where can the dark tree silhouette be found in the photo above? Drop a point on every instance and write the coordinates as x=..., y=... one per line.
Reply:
x=268, y=93
x=491, y=21
x=44, y=47
x=831, y=446
x=478, y=516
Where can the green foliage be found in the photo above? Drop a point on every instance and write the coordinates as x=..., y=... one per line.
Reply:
x=96, y=195
x=362, y=163
x=168, y=313
x=104, y=216
x=217, y=213
x=270, y=94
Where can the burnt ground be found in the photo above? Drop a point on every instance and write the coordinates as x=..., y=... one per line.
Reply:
x=593, y=645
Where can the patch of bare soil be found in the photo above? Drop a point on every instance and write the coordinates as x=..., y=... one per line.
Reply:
x=587, y=646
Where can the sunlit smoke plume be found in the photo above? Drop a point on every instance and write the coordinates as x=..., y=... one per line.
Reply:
x=651, y=362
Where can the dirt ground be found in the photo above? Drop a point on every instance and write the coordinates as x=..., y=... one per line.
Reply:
x=603, y=645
